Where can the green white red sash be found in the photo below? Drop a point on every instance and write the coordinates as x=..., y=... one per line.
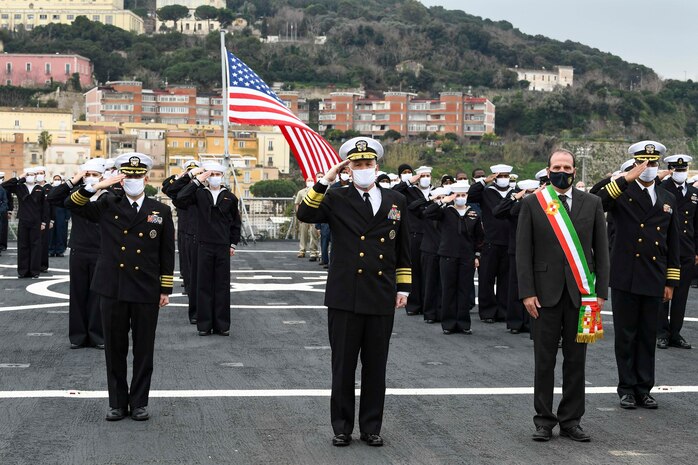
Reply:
x=590, y=327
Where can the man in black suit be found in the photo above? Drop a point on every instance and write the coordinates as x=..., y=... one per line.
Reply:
x=645, y=269
x=34, y=217
x=669, y=333
x=552, y=297
x=369, y=276
x=134, y=277
x=4, y=210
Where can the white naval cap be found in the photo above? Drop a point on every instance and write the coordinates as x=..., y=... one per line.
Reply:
x=423, y=169
x=542, y=174
x=40, y=168
x=133, y=163
x=29, y=170
x=109, y=164
x=213, y=166
x=439, y=191
x=361, y=148
x=393, y=176
x=513, y=176
x=627, y=164
x=191, y=164
x=459, y=187
x=678, y=161
x=93, y=164
x=647, y=150
x=527, y=184
x=501, y=169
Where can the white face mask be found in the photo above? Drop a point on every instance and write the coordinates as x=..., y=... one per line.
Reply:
x=679, y=177
x=424, y=182
x=478, y=179
x=385, y=185
x=91, y=180
x=134, y=187
x=215, y=181
x=29, y=179
x=512, y=184
x=56, y=183
x=649, y=174
x=502, y=182
x=344, y=176
x=460, y=201
x=40, y=178
x=364, y=178
x=404, y=177
x=309, y=184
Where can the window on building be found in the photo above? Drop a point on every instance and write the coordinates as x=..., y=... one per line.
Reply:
x=8, y=82
x=71, y=17
x=34, y=157
x=16, y=123
x=18, y=16
x=43, y=16
x=270, y=146
x=265, y=176
x=186, y=26
x=98, y=144
x=187, y=144
x=217, y=142
x=95, y=17
x=56, y=17
x=5, y=16
x=200, y=144
x=30, y=16
x=67, y=68
x=246, y=177
x=241, y=144
x=109, y=19
x=28, y=67
x=8, y=68
x=47, y=67
x=175, y=144
x=270, y=161
x=247, y=193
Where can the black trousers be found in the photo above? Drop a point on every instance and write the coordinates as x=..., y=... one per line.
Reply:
x=45, y=236
x=352, y=334
x=28, y=250
x=213, y=287
x=457, y=276
x=560, y=319
x=4, y=229
x=117, y=319
x=84, y=316
x=432, y=286
x=677, y=306
x=184, y=270
x=414, y=301
x=192, y=255
x=635, y=327
x=517, y=316
x=58, y=235
x=494, y=269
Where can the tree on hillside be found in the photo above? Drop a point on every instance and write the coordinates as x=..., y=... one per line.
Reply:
x=44, y=142
x=274, y=188
x=173, y=13
x=206, y=13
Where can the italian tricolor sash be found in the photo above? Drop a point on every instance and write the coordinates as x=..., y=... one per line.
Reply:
x=590, y=328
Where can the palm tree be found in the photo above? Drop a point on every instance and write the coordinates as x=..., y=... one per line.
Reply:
x=44, y=141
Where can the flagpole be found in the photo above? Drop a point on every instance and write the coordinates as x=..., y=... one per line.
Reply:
x=226, y=152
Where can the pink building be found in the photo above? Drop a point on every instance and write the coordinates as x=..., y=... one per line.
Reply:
x=38, y=70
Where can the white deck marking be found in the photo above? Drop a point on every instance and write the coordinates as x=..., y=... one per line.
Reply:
x=192, y=393
x=39, y=334
x=29, y=307
x=264, y=276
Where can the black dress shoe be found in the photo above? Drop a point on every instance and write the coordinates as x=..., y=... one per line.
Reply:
x=140, y=414
x=430, y=322
x=514, y=331
x=647, y=401
x=192, y=321
x=76, y=346
x=312, y=259
x=204, y=333
x=575, y=433
x=489, y=321
x=413, y=312
x=680, y=343
x=223, y=333
x=662, y=343
x=542, y=434
x=447, y=332
x=373, y=440
x=341, y=440
x=99, y=346
x=628, y=402
x=467, y=332
x=116, y=414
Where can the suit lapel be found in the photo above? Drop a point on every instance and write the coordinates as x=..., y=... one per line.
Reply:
x=577, y=203
x=636, y=192
x=142, y=214
x=355, y=200
x=659, y=204
x=382, y=214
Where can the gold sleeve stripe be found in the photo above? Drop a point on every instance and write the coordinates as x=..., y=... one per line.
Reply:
x=403, y=279
x=316, y=196
x=613, y=189
x=311, y=203
x=403, y=270
x=78, y=198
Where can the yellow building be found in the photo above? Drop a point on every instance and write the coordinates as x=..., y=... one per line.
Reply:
x=33, y=121
x=96, y=135
x=32, y=13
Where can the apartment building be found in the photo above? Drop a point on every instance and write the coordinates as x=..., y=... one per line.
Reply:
x=38, y=70
x=12, y=155
x=452, y=112
x=31, y=122
x=190, y=25
x=28, y=14
x=546, y=80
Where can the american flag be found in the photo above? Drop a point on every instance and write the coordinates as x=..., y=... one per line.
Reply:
x=251, y=101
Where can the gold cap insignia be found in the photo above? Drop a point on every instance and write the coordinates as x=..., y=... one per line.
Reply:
x=361, y=145
x=649, y=149
x=134, y=161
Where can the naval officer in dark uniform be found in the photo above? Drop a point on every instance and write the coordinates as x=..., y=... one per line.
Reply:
x=645, y=268
x=669, y=332
x=134, y=277
x=369, y=276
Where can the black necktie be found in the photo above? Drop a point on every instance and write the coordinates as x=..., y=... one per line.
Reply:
x=648, y=197
x=135, y=207
x=563, y=199
x=367, y=201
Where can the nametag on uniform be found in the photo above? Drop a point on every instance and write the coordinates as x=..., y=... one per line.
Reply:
x=472, y=214
x=667, y=208
x=394, y=213
x=694, y=198
x=155, y=219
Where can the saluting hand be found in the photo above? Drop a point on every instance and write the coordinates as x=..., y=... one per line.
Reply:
x=415, y=179
x=196, y=171
x=204, y=176
x=332, y=173
x=532, y=305
x=104, y=183
x=448, y=199
x=635, y=173
x=78, y=176
x=491, y=178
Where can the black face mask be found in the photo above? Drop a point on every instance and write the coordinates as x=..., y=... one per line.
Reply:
x=560, y=179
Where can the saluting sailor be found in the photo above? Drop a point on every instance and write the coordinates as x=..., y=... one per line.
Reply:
x=369, y=276
x=669, y=333
x=134, y=277
x=645, y=268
